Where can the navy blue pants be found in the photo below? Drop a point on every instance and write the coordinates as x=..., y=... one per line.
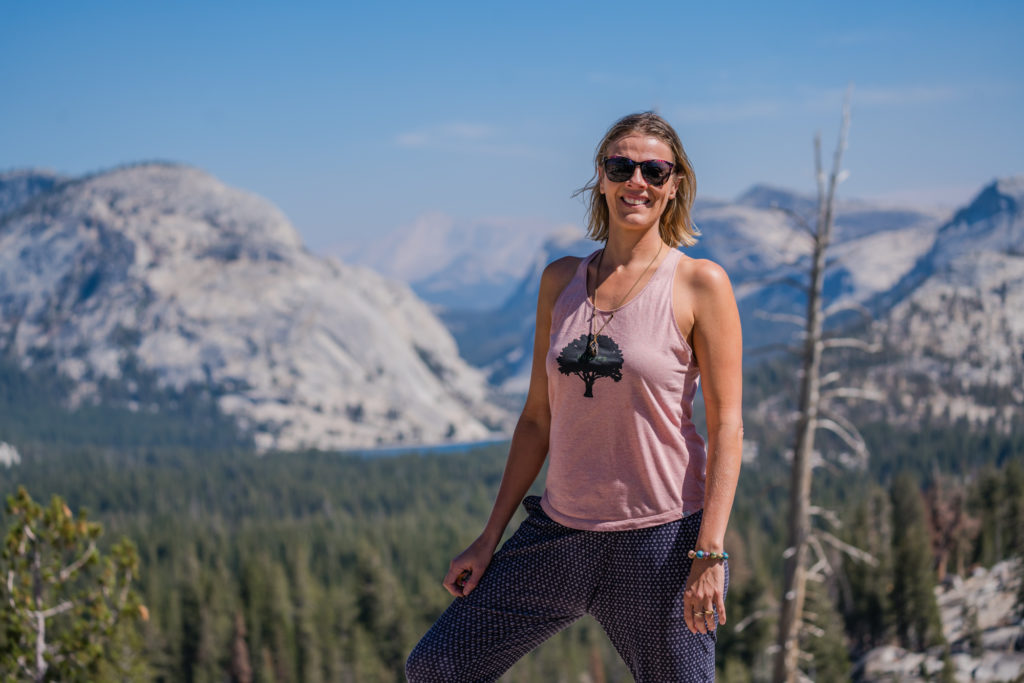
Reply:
x=547, y=576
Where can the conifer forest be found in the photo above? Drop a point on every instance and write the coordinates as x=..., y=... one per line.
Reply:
x=214, y=563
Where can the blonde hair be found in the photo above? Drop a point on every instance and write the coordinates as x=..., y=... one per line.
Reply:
x=675, y=225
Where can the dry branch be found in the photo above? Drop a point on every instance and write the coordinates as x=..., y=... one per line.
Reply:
x=854, y=441
x=853, y=551
x=841, y=306
x=67, y=571
x=829, y=515
x=854, y=392
x=791, y=318
x=852, y=343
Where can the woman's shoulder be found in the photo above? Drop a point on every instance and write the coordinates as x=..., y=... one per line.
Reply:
x=557, y=275
x=562, y=267
x=701, y=274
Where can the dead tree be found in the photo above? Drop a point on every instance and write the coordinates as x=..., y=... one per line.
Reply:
x=815, y=412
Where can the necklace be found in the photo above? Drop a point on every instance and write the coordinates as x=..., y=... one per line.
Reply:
x=592, y=337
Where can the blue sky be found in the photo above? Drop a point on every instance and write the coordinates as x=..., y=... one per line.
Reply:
x=357, y=118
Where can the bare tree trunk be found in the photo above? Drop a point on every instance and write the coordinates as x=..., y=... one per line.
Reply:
x=597, y=673
x=37, y=602
x=241, y=666
x=791, y=612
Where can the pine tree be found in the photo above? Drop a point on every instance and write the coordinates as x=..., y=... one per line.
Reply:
x=948, y=672
x=913, y=596
x=382, y=610
x=241, y=665
x=947, y=511
x=825, y=640
x=279, y=625
x=191, y=631
x=988, y=503
x=310, y=662
x=1013, y=488
x=867, y=606
x=67, y=609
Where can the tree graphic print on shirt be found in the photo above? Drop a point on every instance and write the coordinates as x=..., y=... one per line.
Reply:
x=577, y=359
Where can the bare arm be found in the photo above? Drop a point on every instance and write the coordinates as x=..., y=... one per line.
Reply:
x=717, y=343
x=529, y=445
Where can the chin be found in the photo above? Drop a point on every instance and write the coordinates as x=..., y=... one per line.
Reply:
x=633, y=223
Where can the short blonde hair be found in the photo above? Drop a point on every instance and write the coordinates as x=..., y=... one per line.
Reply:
x=676, y=227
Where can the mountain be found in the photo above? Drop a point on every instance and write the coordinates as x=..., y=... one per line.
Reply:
x=19, y=186
x=759, y=242
x=943, y=303
x=454, y=264
x=501, y=341
x=160, y=271
x=955, y=327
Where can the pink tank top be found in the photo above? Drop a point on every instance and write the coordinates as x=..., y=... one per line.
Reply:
x=623, y=452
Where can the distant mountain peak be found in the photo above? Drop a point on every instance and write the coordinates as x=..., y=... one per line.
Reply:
x=1003, y=195
x=19, y=186
x=993, y=222
x=1012, y=186
x=765, y=196
x=207, y=214
x=14, y=174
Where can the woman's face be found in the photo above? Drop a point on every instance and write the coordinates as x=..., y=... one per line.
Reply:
x=635, y=204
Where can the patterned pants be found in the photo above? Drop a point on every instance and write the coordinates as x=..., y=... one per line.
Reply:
x=547, y=576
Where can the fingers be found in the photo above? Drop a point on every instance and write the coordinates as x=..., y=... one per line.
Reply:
x=455, y=581
x=462, y=578
x=704, y=597
x=700, y=621
x=698, y=612
x=450, y=584
x=700, y=608
x=704, y=620
x=469, y=581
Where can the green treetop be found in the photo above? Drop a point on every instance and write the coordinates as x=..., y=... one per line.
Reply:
x=67, y=609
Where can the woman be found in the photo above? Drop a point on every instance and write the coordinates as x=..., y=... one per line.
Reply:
x=622, y=338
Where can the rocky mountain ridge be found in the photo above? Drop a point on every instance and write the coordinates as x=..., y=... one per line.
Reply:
x=162, y=269
x=943, y=294
x=956, y=321
x=760, y=244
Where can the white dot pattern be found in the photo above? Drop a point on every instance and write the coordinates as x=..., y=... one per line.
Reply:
x=546, y=576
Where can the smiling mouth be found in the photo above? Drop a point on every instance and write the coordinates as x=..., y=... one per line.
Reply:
x=636, y=202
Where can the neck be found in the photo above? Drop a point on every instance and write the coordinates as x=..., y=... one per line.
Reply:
x=623, y=248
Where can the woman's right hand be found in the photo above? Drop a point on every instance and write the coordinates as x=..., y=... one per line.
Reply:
x=467, y=567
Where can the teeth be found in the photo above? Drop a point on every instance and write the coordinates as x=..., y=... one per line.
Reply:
x=634, y=202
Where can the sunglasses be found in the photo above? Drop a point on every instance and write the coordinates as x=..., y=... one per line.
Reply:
x=654, y=171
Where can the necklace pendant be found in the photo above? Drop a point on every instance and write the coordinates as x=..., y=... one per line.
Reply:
x=592, y=346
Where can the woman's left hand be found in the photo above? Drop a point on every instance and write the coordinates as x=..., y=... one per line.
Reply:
x=704, y=595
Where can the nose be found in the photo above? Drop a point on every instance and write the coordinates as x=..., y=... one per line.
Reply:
x=638, y=177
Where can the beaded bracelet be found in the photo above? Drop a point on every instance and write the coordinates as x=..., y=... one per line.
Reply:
x=706, y=555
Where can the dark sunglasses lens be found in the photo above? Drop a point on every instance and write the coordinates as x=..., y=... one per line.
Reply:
x=656, y=172
x=619, y=169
